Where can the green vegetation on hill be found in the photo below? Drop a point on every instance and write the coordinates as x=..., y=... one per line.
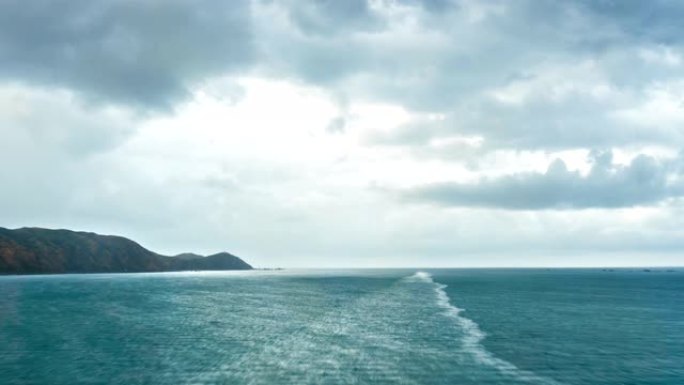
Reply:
x=35, y=250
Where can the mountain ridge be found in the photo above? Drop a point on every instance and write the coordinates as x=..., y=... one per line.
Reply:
x=34, y=250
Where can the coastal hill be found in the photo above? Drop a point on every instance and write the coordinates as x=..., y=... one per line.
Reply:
x=36, y=250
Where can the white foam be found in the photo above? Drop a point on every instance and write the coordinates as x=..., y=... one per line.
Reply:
x=473, y=335
x=421, y=276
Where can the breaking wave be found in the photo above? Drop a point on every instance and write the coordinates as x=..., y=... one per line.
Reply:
x=473, y=335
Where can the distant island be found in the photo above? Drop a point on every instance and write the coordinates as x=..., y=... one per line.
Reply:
x=44, y=251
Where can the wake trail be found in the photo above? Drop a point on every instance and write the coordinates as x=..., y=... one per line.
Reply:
x=473, y=335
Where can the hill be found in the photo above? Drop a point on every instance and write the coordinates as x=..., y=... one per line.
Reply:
x=36, y=250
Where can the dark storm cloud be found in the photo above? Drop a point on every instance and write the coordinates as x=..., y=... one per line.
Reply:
x=136, y=53
x=644, y=181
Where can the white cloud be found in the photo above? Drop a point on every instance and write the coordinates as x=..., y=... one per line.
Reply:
x=558, y=83
x=662, y=55
x=661, y=108
x=281, y=131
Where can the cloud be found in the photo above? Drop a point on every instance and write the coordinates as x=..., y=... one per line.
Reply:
x=51, y=145
x=427, y=55
x=332, y=17
x=644, y=181
x=525, y=76
x=253, y=125
x=56, y=121
x=654, y=21
x=141, y=54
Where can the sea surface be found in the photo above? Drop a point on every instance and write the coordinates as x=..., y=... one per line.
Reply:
x=460, y=326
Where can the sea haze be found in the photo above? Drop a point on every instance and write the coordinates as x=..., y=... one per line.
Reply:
x=451, y=326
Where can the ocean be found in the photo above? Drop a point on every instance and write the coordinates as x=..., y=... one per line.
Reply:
x=408, y=326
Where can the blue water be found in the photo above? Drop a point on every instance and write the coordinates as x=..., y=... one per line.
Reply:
x=345, y=327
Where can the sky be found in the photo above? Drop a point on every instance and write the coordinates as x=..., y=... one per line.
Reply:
x=325, y=133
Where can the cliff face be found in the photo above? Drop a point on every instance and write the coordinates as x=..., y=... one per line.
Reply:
x=34, y=250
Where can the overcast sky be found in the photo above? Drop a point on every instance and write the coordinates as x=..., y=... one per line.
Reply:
x=351, y=133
